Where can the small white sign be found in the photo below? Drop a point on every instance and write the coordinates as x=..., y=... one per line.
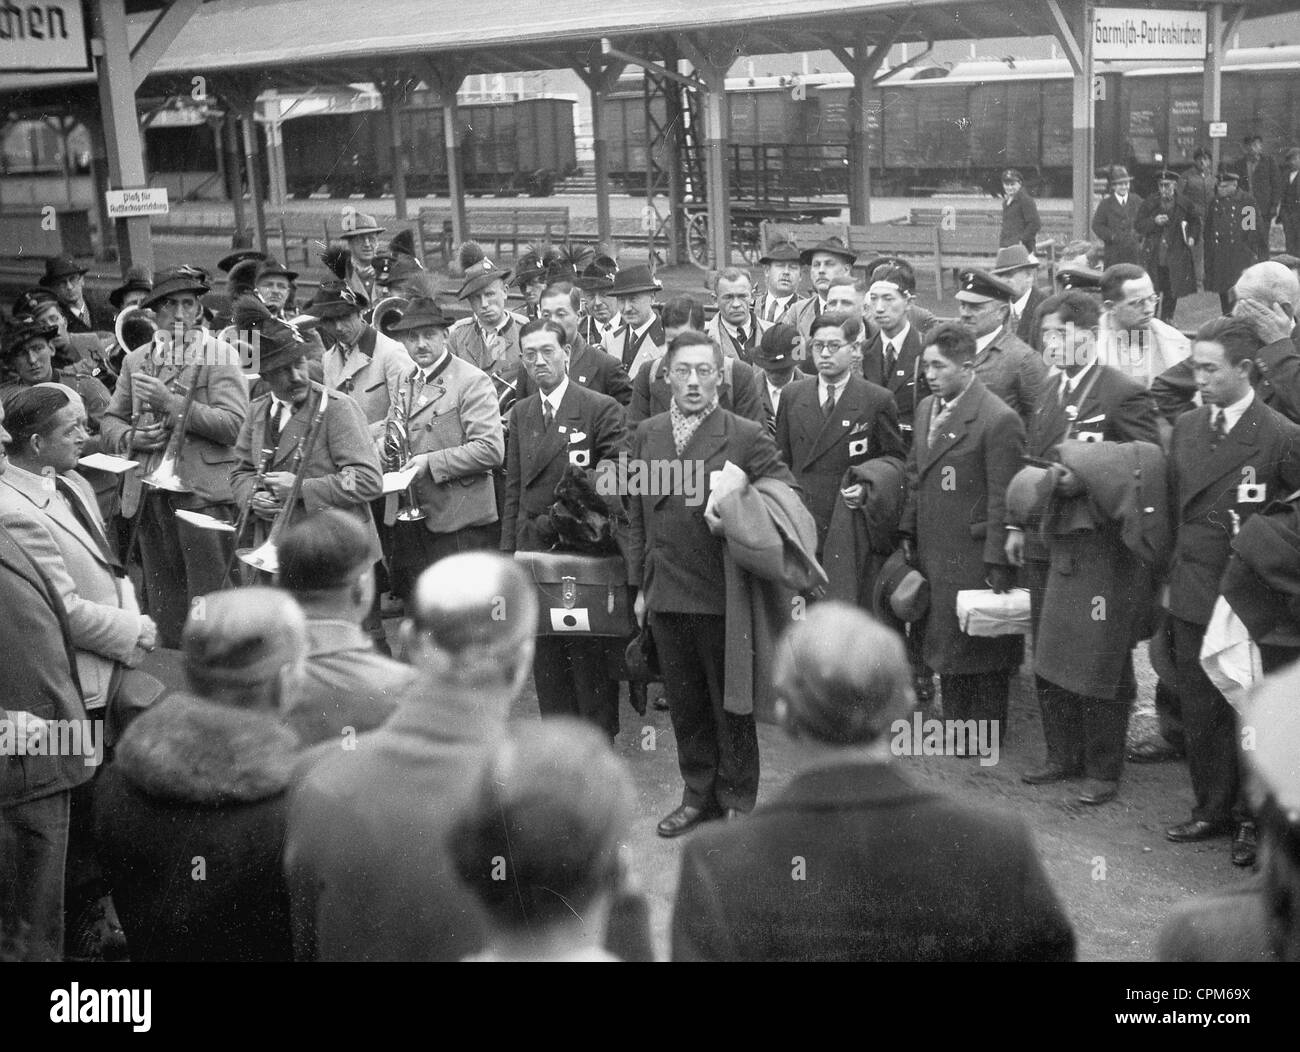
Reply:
x=49, y=37
x=126, y=204
x=1218, y=129
x=1137, y=34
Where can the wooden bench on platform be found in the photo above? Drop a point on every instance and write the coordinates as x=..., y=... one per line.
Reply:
x=496, y=226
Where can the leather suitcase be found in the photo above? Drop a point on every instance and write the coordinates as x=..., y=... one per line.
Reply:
x=580, y=595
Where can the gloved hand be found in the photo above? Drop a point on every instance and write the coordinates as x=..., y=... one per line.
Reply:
x=1000, y=578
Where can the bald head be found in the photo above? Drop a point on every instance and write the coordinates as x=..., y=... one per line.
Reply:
x=474, y=617
x=842, y=675
x=1269, y=283
x=245, y=647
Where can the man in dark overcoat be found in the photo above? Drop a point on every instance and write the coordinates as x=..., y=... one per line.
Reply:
x=1113, y=221
x=1230, y=222
x=968, y=445
x=1170, y=226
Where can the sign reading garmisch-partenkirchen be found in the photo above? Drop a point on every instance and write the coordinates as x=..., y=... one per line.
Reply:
x=1137, y=34
x=45, y=37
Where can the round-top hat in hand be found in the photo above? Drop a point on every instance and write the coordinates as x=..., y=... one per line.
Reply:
x=831, y=245
x=276, y=343
x=1013, y=258
x=355, y=224
x=901, y=593
x=633, y=280
x=776, y=349
x=785, y=251
x=174, y=281
x=334, y=299
x=17, y=331
x=59, y=267
x=137, y=280
x=979, y=286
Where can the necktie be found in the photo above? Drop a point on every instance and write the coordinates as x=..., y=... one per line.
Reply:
x=1218, y=428
x=548, y=415
x=276, y=425
x=890, y=352
x=771, y=309
x=88, y=524
x=938, y=417
x=828, y=406
x=741, y=338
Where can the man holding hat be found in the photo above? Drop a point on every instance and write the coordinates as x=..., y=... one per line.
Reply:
x=1231, y=222
x=273, y=284
x=780, y=281
x=1007, y=366
x=341, y=470
x=67, y=280
x=1170, y=228
x=1113, y=221
x=447, y=410
x=640, y=338
x=901, y=873
x=892, y=358
x=489, y=338
x=360, y=233
x=1020, y=222
x=1018, y=267
x=776, y=362
x=826, y=260
x=180, y=560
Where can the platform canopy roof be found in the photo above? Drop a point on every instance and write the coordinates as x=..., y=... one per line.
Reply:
x=306, y=43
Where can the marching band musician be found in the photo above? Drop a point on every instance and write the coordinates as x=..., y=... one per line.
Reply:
x=446, y=417
x=340, y=470
x=154, y=391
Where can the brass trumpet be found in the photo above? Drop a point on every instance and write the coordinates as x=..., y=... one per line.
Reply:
x=265, y=556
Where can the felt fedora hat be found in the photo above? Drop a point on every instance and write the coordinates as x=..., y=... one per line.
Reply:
x=901, y=592
x=59, y=267
x=632, y=280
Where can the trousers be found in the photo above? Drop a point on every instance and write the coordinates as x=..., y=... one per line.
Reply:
x=33, y=851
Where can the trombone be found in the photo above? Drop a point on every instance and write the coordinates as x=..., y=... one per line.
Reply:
x=265, y=556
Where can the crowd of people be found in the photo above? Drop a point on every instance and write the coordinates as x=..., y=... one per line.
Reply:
x=820, y=504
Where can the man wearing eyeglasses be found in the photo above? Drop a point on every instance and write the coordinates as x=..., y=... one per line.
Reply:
x=563, y=423
x=836, y=421
x=678, y=562
x=1130, y=336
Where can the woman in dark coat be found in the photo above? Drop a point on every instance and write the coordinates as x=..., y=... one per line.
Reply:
x=1170, y=226
x=1229, y=232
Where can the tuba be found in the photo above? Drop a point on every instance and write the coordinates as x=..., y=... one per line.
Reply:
x=265, y=556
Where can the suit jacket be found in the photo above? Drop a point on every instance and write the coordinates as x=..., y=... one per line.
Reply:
x=672, y=554
x=101, y=317
x=40, y=673
x=651, y=393
x=501, y=359
x=103, y=615
x=218, y=412
x=588, y=428
x=1205, y=491
x=1108, y=407
x=1013, y=371
x=1142, y=354
x=956, y=500
x=342, y=470
x=819, y=449
x=1020, y=222
x=765, y=300
x=456, y=422
x=372, y=374
x=1264, y=185
x=631, y=351
x=905, y=382
x=1277, y=382
x=895, y=872
x=721, y=335
x=1027, y=322
x=1288, y=212
x=590, y=366
x=1113, y=223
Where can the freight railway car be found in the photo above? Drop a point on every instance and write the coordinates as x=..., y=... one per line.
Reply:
x=948, y=129
x=506, y=147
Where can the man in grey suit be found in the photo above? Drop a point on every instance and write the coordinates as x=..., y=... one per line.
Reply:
x=1006, y=365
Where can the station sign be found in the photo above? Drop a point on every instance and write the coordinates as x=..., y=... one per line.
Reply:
x=1218, y=129
x=1137, y=34
x=49, y=37
x=127, y=204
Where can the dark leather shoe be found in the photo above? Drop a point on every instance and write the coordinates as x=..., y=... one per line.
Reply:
x=1157, y=750
x=1096, y=792
x=684, y=818
x=1243, y=845
x=636, y=697
x=1190, y=832
x=1047, y=775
